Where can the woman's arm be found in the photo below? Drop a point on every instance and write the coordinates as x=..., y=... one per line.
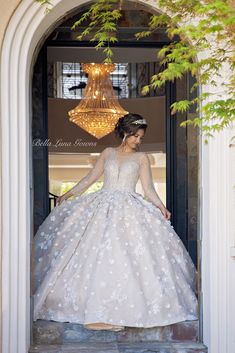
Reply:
x=88, y=179
x=148, y=186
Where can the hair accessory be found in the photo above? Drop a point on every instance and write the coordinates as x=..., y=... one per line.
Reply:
x=140, y=122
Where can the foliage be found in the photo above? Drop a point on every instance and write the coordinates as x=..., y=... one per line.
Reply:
x=47, y=3
x=44, y=2
x=103, y=18
x=214, y=32
x=194, y=27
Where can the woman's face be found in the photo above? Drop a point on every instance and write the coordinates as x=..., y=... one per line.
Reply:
x=135, y=140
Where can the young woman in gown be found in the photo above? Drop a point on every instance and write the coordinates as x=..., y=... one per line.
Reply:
x=111, y=258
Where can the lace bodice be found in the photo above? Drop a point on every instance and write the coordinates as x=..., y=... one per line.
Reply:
x=121, y=172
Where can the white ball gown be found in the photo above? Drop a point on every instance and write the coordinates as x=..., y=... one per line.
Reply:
x=110, y=256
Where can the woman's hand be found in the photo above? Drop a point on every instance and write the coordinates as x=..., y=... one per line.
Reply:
x=165, y=212
x=60, y=199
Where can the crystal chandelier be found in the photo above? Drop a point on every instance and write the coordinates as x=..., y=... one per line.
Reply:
x=99, y=109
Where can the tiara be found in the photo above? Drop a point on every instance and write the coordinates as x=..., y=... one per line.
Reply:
x=140, y=122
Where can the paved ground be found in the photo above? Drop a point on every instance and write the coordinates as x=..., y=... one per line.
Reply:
x=114, y=347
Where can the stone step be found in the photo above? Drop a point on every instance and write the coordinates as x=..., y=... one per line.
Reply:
x=122, y=347
x=49, y=332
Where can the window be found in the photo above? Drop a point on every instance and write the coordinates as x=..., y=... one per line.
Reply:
x=68, y=81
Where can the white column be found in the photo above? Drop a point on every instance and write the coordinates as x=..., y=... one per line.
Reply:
x=218, y=271
x=231, y=259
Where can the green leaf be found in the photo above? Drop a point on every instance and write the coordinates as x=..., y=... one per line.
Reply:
x=213, y=32
x=145, y=90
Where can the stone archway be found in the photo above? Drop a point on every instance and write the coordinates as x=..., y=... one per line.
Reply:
x=26, y=30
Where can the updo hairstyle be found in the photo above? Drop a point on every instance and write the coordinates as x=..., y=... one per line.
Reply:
x=126, y=125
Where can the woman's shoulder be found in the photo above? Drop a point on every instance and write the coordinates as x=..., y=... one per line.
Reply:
x=139, y=154
x=143, y=157
x=107, y=151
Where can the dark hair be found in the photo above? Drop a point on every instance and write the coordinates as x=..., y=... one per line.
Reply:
x=125, y=125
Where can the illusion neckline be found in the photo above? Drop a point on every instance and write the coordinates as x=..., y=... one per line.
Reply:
x=124, y=153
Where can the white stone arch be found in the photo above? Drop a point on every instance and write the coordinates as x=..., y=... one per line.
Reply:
x=29, y=26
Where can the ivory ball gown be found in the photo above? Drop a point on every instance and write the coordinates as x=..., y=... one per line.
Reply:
x=110, y=257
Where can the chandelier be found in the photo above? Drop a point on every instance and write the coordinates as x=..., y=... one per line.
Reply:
x=99, y=109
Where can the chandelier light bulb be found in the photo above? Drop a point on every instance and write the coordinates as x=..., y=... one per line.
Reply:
x=99, y=109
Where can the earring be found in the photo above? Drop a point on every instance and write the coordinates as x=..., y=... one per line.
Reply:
x=124, y=139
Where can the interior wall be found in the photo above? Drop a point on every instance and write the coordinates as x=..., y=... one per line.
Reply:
x=86, y=54
x=63, y=134
x=75, y=174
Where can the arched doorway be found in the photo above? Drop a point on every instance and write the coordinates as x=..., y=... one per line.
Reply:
x=173, y=150
x=58, y=69
x=27, y=28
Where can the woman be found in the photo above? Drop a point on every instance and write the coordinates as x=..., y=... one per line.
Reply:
x=111, y=258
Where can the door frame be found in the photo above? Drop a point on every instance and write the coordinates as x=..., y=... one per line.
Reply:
x=172, y=195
